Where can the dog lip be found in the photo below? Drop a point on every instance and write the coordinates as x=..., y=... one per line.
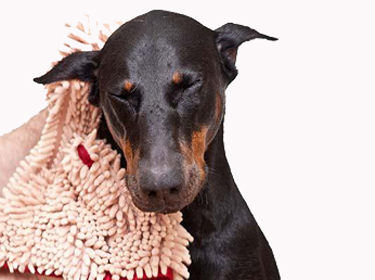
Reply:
x=165, y=208
x=169, y=210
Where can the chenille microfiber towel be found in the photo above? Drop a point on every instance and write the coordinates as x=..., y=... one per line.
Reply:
x=66, y=210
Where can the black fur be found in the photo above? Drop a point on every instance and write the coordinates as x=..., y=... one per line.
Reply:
x=158, y=117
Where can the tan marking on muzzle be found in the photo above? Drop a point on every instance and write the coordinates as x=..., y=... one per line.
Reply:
x=198, y=146
x=131, y=156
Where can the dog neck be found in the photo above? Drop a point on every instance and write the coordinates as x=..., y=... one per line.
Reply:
x=219, y=200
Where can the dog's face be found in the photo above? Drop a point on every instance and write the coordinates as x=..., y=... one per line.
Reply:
x=160, y=82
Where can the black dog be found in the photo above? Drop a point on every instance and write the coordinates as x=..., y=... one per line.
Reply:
x=160, y=81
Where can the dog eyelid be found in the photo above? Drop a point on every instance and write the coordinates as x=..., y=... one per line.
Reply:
x=194, y=84
x=188, y=81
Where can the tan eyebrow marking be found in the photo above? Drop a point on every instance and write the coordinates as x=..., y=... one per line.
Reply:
x=177, y=77
x=128, y=86
x=194, y=152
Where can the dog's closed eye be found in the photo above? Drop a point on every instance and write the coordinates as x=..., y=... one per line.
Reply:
x=129, y=94
x=186, y=84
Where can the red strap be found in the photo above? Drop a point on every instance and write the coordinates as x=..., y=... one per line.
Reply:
x=84, y=155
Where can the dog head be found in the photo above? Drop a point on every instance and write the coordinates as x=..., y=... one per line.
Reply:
x=160, y=81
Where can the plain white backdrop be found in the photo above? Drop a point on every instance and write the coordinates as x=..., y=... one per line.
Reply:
x=299, y=127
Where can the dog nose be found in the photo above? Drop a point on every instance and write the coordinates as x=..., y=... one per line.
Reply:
x=161, y=184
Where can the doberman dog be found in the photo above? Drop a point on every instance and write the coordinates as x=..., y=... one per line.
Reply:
x=160, y=81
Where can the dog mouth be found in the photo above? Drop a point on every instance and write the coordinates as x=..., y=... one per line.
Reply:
x=165, y=208
x=160, y=208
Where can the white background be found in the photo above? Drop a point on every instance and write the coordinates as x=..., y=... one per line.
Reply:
x=300, y=116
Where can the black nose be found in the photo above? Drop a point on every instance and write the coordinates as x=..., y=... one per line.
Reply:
x=162, y=185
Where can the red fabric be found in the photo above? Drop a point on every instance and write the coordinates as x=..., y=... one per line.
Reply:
x=160, y=276
x=84, y=155
x=169, y=275
x=28, y=271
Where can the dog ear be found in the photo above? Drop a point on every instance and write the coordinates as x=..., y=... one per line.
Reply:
x=79, y=65
x=228, y=38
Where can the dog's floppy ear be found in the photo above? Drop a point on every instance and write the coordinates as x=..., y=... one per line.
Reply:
x=79, y=65
x=228, y=38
